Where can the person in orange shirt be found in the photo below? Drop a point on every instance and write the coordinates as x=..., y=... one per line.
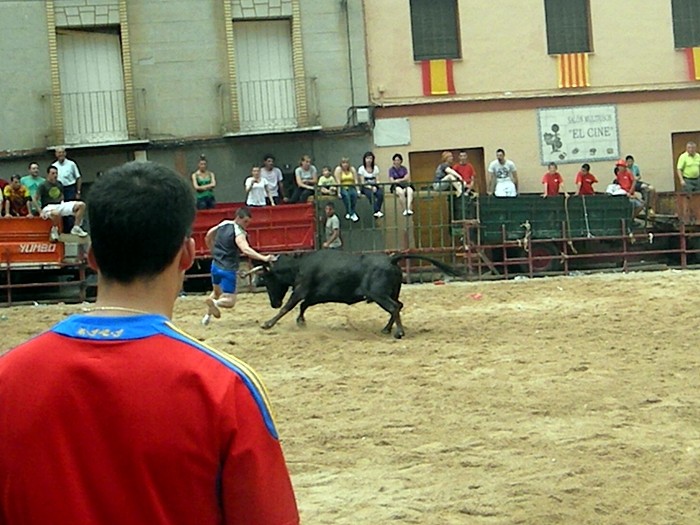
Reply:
x=585, y=180
x=465, y=170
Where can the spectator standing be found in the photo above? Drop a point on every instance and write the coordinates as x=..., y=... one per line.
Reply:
x=446, y=177
x=257, y=189
x=346, y=176
x=275, y=180
x=204, y=182
x=32, y=181
x=54, y=206
x=504, y=176
x=69, y=177
x=465, y=170
x=368, y=174
x=17, y=198
x=401, y=184
x=332, y=228
x=327, y=182
x=585, y=180
x=306, y=177
x=688, y=168
x=552, y=181
x=228, y=243
x=150, y=426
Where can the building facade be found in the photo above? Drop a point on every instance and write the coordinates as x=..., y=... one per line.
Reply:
x=114, y=80
x=569, y=81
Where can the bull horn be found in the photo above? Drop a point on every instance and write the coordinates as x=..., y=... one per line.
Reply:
x=252, y=271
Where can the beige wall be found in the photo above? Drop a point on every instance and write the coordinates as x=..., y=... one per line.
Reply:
x=504, y=49
x=644, y=129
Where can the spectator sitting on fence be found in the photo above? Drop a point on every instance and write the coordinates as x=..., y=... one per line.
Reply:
x=504, y=176
x=624, y=180
x=257, y=189
x=53, y=206
x=17, y=198
x=446, y=177
x=368, y=173
x=465, y=170
x=32, y=181
x=326, y=183
x=346, y=177
x=204, y=182
x=585, y=181
x=552, y=182
x=645, y=189
x=332, y=228
x=306, y=178
x=401, y=184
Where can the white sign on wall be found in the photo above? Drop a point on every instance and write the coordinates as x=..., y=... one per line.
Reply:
x=578, y=134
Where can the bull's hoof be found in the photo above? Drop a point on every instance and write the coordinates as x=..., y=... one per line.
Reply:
x=267, y=325
x=398, y=334
x=386, y=330
x=301, y=323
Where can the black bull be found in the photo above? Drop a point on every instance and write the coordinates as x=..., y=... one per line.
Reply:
x=331, y=276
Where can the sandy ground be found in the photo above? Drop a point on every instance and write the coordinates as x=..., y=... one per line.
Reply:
x=572, y=400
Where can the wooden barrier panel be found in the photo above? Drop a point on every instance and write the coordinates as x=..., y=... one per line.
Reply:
x=24, y=241
x=283, y=228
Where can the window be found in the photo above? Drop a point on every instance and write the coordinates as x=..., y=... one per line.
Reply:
x=686, y=23
x=434, y=25
x=568, y=26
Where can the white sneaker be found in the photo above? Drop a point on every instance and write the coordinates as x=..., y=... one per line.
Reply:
x=53, y=235
x=409, y=212
x=206, y=320
x=77, y=230
x=405, y=213
x=378, y=214
x=354, y=217
x=213, y=309
x=347, y=216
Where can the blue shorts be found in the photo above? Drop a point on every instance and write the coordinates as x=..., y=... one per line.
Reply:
x=226, y=279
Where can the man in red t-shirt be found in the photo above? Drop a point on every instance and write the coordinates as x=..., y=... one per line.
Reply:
x=625, y=178
x=585, y=180
x=465, y=170
x=117, y=416
x=552, y=181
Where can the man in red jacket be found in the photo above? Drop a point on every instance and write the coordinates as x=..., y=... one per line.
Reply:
x=117, y=416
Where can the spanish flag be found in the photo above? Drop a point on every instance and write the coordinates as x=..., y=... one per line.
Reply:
x=573, y=70
x=437, y=77
x=693, y=56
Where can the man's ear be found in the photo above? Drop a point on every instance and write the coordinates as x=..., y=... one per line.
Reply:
x=187, y=254
x=92, y=262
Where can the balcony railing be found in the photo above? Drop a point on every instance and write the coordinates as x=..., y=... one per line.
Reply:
x=94, y=117
x=271, y=105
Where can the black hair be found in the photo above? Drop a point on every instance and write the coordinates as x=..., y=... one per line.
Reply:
x=243, y=213
x=140, y=215
x=500, y=150
x=29, y=166
x=330, y=205
x=368, y=154
x=16, y=176
x=586, y=166
x=397, y=156
x=629, y=157
x=51, y=167
x=269, y=156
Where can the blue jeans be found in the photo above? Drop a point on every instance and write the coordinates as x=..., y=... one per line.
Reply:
x=349, y=196
x=375, y=197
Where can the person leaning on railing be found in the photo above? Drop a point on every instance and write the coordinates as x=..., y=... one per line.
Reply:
x=401, y=184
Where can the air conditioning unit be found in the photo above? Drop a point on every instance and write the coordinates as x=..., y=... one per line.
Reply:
x=362, y=115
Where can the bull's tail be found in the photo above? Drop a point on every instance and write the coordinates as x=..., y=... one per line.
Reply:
x=438, y=264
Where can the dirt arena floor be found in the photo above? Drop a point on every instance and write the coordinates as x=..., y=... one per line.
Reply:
x=572, y=400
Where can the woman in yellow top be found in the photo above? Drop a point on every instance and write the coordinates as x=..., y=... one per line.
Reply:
x=346, y=177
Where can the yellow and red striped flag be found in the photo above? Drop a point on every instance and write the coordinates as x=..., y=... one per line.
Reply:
x=573, y=70
x=693, y=56
x=437, y=77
